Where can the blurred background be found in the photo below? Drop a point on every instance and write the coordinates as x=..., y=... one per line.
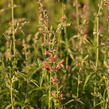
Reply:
x=29, y=9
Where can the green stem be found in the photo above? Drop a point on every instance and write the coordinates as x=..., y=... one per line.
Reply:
x=49, y=105
x=97, y=35
x=11, y=94
x=13, y=29
x=11, y=89
x=97, y=20
x=77, y=14
x=94, y=101
x=78, y=87
x=13, y=49
x=57, y=92
x=97, y=51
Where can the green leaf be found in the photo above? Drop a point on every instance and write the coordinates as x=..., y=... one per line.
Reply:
x=86, y=80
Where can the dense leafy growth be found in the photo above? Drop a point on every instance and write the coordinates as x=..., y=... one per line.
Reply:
x=54, y=54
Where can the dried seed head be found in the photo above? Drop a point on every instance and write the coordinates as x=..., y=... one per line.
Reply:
x=43, y=18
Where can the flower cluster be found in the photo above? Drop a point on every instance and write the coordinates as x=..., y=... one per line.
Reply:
x=55, y=94
x=51, y=63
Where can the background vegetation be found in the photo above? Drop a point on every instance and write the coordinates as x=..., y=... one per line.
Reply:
x=54, y=54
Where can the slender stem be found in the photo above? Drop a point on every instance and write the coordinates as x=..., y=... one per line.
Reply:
x=77, y=14
x=11, y=94
x=57, y=92
x=13, y=49
x=78, y=86
x=97, y=51
x=94, y=100
x=97, y=35
x=49, y=105
x=63, y=7
x=13, y=29
x=11, y=89
x=97, y=20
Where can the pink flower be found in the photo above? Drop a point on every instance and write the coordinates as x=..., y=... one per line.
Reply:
x=78, y=64
x=47, y=52
x=51, y=59
x=54, y=79
x=62, y=19
x=58, y=66
x=46, y=65
x=62, y=96
x=55, y=56
x=62, y=61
